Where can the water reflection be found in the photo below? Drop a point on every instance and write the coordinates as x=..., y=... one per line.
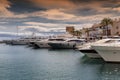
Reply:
x=104, y=70
x=84, y=59
x=23, y=63
x=110, y=71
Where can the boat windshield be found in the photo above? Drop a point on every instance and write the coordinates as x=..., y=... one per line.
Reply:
x=75, y=41
x=56, y=40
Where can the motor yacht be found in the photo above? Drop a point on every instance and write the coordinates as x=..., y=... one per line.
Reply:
x=44, y=43
x=109, y=51
x=23, y=41
x=88, y=51
x=18, y=42
x=67, y=44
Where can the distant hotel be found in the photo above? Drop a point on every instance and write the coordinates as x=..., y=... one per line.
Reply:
x=98, y=31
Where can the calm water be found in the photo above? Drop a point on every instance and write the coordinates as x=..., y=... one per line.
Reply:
x=23, y=63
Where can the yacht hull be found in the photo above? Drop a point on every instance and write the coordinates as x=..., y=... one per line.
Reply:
x=8, y=42
x=42, y=44
x=62, y=45
x=108, y=53
x=91, y=53
x=18, y=43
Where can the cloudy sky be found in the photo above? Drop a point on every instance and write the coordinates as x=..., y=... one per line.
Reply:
x=54, y=15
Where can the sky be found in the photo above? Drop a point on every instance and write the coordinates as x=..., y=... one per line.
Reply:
x=54, y=15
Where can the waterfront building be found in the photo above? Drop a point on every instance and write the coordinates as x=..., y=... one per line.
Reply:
x=115, y=31
x=94, y=32
x=112, y=29
x=84, y=33
x=70, y=29
x=98, y=31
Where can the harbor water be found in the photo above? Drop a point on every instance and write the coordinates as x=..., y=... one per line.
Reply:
x=24, y=63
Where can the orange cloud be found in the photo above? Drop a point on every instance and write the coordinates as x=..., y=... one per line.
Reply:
x=117, y=9
x=4, y=4
x=56, y=14
x=53, y=3
x=94, y=6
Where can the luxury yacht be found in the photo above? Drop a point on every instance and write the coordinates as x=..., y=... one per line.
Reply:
x=67, y=44
x=22, y=41
x=7, y=41
x=88, y=51
x=44, y=43
x=109, y=51
x=19, y=42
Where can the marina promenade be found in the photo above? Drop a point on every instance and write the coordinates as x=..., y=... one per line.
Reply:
x=108, y=49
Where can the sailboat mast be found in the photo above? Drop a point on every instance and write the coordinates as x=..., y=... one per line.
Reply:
x=17, y=31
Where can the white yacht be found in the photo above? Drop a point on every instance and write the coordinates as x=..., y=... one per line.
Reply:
x=7, y=41
x=31, y=43
x=109, y=51
x=44, y=43
x=88, y=51
x=18, y=42
x=67, y=44
x=22, y=41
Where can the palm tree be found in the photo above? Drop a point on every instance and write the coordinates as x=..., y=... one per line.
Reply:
x=86, y=31
x=72, y=33
x=78, y=33
x=105, y=22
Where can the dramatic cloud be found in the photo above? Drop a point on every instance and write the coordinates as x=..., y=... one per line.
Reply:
x=5, y=13
x=117, y=9
x=4, y=5
x=50, y=27
x=33, y=28
x=41, y=24
x=79, y=7
x=53, y=3
x=3, y=28
x=54, y=15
